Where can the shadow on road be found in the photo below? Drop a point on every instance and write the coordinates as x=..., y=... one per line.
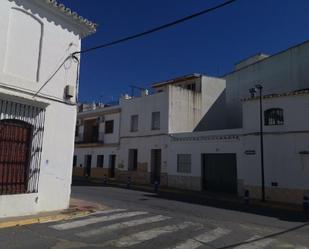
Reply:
x=273, y=235
x=200, y=199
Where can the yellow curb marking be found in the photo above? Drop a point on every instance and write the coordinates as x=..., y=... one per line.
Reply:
x=43, y=219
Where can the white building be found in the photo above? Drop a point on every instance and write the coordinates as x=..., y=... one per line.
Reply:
x=177, y=105
x=229, y=160
x=97, y=141
x=37, y=130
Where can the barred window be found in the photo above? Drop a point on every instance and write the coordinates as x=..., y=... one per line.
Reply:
x=273, y=116
x=155, y=121
x=184, y=163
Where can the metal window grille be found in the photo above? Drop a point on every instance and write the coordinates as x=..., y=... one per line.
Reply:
x=274, y=116
x=21, y=136
x=184, y=163
x=155, y=121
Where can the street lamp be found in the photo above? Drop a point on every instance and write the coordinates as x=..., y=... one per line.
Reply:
x=252, y=92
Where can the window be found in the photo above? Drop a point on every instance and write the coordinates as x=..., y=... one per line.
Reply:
x=155, y=121
x=91, y=131
x=134, y=123
x=184, y=163
x=100, y=161
x=191, y=87
x=273, y=116
x=76, y=130
x=74, y=161
x=132, y=164
x=109, y=126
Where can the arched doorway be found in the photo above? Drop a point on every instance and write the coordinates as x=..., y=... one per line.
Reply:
x=15, y=142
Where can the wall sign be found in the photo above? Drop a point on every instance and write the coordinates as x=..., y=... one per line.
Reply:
x=250, y=152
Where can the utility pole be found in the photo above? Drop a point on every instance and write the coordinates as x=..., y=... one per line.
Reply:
x=253, y=91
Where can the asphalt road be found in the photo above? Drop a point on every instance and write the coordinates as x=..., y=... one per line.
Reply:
x=145, y=220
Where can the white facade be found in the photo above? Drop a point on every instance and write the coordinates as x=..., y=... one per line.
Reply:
x=286, y=151
x=35, y=37
x=182, y=103
x=101, y=145
x=279, y=73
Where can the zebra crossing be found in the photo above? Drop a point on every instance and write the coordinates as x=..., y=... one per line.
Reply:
x=131, y=232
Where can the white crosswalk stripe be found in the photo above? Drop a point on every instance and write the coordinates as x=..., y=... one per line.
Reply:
x=122, y=225
x=257, y=243
x=146, y=235
x=203, y=238
x=89, y=221
x=109, y=211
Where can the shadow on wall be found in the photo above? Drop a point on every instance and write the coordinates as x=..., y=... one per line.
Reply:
x=28, y=5
x=216, y=117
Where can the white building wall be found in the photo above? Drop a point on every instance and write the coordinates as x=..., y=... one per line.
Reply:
x=143, y=107
x=196, y=144
x=33, y=44
x=94, y=152
x=283, y=72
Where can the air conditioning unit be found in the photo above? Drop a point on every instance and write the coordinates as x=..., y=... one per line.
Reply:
x=69, y=91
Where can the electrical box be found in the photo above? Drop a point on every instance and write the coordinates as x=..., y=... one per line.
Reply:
x=69, y=91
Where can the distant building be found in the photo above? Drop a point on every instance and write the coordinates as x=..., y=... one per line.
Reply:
x=201, y=133
x=37, y=128
x=97, y=140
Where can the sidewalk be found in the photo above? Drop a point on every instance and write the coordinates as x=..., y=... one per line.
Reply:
x=78, y=208
x=213, y=199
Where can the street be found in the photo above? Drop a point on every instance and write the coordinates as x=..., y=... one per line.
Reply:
x=137, y=219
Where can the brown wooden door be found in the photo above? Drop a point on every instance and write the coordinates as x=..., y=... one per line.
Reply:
x=15, y=143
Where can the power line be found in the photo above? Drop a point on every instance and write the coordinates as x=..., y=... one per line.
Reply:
x=156, y=29
x=153, y=30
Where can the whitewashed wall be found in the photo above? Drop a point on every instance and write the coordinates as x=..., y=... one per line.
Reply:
x=143, y=107
x=144, y=145
x=94, y=152
x=33, y=44
x=282, y=72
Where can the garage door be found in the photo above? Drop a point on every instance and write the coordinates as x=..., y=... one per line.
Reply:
x=219, y=172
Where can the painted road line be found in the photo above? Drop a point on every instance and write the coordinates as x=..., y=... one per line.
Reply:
x=85, y=222
x=257, y=243
x=203, y=238
x=146, y=235
x=122, y=225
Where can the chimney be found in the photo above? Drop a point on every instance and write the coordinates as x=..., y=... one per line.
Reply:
x=144, y=92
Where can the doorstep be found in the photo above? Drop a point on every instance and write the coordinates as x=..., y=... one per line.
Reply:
x=78, y=208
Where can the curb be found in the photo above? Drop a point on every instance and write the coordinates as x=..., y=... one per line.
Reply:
x=44, y=219
x=254, y=202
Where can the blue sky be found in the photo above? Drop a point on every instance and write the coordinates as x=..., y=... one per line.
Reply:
x=209, y=44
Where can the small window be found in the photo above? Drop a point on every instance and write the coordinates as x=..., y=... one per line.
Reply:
x=273, y=116
x=74, y=161
x=184, y=163
x=109, y=126
x=100, y=161
x=191, y=87
x=132, y=165
x=155, y=121
x=134, y=123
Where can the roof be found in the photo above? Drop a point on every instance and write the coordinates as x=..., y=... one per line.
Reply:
x=267, y=58
x=87, y=27
x=178, y=79
x=287, y=94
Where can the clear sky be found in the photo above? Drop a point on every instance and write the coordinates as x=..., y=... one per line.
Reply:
x=209, y=44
